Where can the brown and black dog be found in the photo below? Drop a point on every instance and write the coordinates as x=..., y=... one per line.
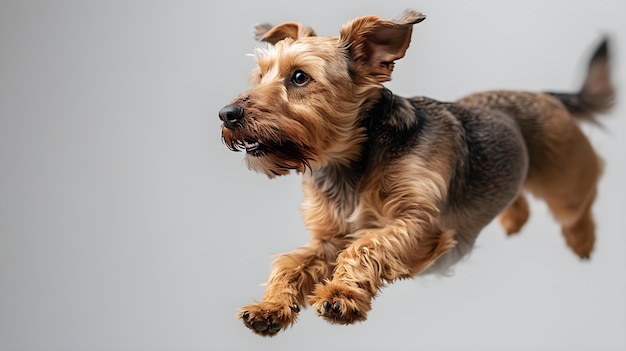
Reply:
x=396, y=187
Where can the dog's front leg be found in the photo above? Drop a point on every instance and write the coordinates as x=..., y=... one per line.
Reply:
x=378, y=257
x=293, y=276
x=398, y=236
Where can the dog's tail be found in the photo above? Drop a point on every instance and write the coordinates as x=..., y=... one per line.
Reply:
x=597, y=93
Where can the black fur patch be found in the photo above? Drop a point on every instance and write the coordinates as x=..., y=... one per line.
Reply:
x=394, y=125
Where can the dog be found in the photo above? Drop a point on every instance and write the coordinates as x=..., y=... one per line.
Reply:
x=395, y=187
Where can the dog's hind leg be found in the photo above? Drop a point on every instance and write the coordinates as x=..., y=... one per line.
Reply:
x=580, y=235
x=515, y=215
x=567, y=181
x=575, y=216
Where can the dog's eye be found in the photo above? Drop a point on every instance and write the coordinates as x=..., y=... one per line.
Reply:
x=300, y=78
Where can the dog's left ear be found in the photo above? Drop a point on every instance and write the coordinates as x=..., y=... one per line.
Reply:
x=267, y=33
x=375, y=43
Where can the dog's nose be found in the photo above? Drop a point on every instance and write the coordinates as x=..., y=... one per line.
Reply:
x=230, y=115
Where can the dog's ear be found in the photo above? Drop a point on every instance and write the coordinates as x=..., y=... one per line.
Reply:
x=375, y=43
x=265, y=32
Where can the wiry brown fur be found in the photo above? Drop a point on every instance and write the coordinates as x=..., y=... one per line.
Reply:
x=396, y=187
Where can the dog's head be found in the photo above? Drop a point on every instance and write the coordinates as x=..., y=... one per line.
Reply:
x=309, y=92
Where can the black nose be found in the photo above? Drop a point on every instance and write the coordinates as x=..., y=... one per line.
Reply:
x=230, y=115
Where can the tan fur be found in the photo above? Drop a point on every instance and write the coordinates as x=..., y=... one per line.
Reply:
x=395, y=187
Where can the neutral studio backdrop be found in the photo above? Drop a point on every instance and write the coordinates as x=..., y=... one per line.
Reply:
x=126, y=224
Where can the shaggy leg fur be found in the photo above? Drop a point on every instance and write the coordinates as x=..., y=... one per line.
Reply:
x=366, y=265
x=291, y=280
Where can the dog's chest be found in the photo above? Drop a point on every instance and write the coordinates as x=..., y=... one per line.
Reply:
x=334, y=205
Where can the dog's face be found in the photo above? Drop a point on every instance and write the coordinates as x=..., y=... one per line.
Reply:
x=295, y=112
x=308, y=93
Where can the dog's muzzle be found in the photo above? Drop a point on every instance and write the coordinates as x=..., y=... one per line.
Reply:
x=230, y=115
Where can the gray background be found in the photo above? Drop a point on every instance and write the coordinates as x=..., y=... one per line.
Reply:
x=126, y=224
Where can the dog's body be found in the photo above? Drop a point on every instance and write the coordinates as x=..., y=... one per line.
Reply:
x=396, y=187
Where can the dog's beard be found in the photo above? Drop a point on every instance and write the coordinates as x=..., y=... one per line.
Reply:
x=270, y=156
x=277, y=162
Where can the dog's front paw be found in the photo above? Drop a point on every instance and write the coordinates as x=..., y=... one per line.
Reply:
x=340, y=303
x=268, y=318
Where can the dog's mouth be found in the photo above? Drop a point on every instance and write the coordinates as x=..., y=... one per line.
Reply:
x=252, y=147
x=274, y=157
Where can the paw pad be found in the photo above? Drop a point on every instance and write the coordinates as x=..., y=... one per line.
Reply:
x=267, y=319
x=340, y=304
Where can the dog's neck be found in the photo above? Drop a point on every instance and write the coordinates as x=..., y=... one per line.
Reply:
x=387, y=118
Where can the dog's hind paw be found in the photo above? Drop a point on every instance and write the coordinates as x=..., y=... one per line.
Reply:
x=515, y=216
x=340, y=303
x=268, y=318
